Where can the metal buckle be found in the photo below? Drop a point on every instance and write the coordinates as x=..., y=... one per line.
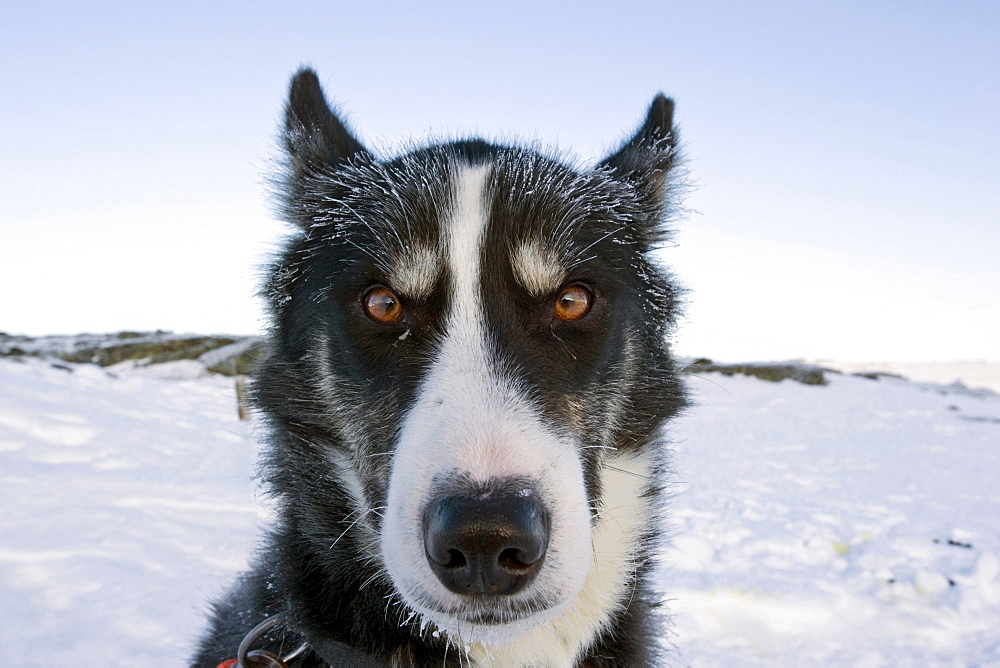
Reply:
x=261, y=658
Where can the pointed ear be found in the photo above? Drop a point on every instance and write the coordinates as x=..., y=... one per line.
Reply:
x=646, y=158
x=314, y=137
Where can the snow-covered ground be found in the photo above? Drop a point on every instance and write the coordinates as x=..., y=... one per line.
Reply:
x=126, y=505
x=856, y=523
x=852, y=524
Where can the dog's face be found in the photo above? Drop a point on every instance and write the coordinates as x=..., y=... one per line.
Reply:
x=470, y=348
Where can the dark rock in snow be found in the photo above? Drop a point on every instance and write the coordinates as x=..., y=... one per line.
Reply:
x=227, y=355
x=807, y=374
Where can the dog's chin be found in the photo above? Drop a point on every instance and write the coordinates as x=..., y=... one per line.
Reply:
x=492, y=625
x=490, y=620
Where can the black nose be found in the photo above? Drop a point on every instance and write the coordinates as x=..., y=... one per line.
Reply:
x=486, y=544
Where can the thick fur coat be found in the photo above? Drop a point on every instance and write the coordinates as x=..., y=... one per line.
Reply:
x=465, y=392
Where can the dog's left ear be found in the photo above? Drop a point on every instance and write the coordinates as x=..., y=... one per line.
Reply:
x=645, y=160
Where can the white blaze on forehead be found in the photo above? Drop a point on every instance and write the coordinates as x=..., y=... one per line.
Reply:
x=414, y=272
x=464, y=239
x=465, y=376
x=538, y=268
x=471, y=418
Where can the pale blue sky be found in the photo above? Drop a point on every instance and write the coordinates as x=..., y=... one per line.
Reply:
x=846, y=153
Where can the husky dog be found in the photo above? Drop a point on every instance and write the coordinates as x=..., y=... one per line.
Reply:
x=465, y=391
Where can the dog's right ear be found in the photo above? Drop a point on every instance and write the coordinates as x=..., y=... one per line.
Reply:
x=314, y=137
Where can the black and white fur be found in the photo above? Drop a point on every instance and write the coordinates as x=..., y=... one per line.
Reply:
x=477, y=391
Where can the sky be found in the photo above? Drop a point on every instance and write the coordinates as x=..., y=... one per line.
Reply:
x=843, y=156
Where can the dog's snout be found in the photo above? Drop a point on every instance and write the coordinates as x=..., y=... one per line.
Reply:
x=486, y=544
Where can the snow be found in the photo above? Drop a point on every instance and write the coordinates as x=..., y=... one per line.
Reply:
x=854, y=523
x=847, y=524
x=127, y=503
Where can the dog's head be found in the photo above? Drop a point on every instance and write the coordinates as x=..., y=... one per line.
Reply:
x=470, y=355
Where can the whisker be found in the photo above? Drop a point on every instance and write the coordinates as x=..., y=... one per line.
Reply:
x=631, y=473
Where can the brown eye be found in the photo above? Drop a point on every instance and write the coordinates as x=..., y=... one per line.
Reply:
x=573, y=303
x=382, y=305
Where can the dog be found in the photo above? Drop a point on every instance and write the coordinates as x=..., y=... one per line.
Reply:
x=465, y=392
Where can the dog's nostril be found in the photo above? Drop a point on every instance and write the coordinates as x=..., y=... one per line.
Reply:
x=514, y=560
x=455, y=559
x=485, y=544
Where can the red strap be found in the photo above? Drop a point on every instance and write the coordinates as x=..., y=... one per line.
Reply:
x=232, y=663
